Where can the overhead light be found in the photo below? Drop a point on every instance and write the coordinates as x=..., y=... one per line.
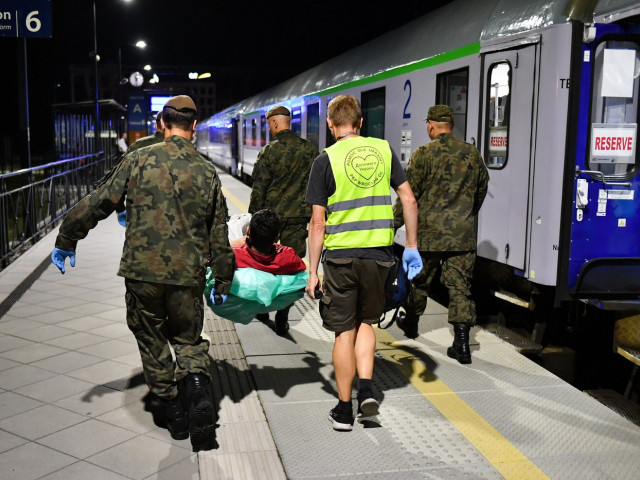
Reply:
x=204, y=75
x=193, y=75
x=141, y=44
x=154, y=79
x=147, y=67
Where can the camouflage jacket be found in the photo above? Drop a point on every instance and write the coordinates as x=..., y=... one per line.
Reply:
x=176, y=216
x=449, y=180
x=157, y=137
x=280, y=177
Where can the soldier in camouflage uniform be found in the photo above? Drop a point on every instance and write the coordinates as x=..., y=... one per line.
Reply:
x=176, y=225
x=150, y=139
x=449, y=180
x=279, y=183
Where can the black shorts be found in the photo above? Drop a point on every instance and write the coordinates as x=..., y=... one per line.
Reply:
x=353, y=292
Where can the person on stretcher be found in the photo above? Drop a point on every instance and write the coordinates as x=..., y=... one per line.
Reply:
x=259, y=250
x=269, y=276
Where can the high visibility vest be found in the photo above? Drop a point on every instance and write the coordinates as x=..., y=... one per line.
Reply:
x=360, y=212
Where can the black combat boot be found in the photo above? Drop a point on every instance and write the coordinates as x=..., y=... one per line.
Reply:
x=408, y=323
x=460, y=349
x=282, y=321
x=176, y=419
x=197, y=398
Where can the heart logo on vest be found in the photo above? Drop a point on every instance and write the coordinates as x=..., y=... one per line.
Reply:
x=367, y=166
x=364, y=166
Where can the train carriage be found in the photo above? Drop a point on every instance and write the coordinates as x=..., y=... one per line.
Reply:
x=548, y=92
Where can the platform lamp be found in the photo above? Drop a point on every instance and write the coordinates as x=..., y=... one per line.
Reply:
x=141, y=44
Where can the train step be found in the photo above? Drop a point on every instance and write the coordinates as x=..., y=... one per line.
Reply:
x=523, y=344
x=618, y=403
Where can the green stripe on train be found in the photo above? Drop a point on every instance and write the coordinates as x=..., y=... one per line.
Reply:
x=461, y=52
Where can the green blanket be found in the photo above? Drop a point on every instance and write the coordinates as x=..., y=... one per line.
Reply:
x=254, y=291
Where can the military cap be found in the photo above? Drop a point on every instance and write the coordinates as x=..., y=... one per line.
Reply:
x=279, y=110
x=181, y=103
x=440, y=113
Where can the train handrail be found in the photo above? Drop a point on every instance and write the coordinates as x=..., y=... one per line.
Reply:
x=602, y=178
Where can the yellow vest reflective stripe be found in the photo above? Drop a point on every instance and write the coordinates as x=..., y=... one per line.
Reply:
x=360, y=213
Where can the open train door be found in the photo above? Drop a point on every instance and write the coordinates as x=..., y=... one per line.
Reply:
x=601, y=243
x=508, y=118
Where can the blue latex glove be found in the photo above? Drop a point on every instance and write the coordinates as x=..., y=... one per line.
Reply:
x=217, y=298
x=411, y=262
x=122, y=218
x=58, y=257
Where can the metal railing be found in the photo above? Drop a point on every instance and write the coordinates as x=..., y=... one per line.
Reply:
x=33, y=200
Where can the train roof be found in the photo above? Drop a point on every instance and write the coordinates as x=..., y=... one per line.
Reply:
x=461, y=26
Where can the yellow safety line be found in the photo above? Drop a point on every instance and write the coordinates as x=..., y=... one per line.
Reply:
x=236, y=201
x=498, y=451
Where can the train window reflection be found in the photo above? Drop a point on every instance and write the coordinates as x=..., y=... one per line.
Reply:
x=313, y=124
x=614, y=109
x=244, y=132
x=254, y=128
x=372, y=103
x=498, y=115
x=296, y=120
x=329, y=136
x=451, y=89
x=263, y=130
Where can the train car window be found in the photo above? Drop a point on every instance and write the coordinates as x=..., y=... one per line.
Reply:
x=372, y=103
x=329, y=136
x=263, y=130
x=614, y=109
x=254, y=128
x=497, y=141
x=451, y=89
x=244, y=131
x=296, y=120
x=313, y=124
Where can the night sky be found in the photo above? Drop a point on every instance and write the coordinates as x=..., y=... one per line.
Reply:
x=283, y=39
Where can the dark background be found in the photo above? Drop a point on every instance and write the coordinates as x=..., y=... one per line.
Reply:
x=272, y=41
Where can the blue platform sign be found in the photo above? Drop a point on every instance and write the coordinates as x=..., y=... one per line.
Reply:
x=25, y=18
x=138, y=111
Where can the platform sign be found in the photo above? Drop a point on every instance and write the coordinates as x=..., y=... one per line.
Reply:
x=25, y=18
x=138, y=107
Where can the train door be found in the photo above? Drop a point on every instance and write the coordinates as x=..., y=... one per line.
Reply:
x=604, y=242
x=508, y=119
x=235, y=157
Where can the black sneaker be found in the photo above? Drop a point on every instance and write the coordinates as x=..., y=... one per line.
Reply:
x=342, y=422
x=368, y=406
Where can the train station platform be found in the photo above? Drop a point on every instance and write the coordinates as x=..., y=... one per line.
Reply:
x=74, y=405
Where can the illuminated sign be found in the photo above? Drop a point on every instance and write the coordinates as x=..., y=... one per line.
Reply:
x=25, y=18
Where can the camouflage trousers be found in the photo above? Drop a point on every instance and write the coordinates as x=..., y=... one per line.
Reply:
x=158, y=315
x=457, y=271
x=294, y=235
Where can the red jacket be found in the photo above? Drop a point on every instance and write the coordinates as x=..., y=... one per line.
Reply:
x=283, y=261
